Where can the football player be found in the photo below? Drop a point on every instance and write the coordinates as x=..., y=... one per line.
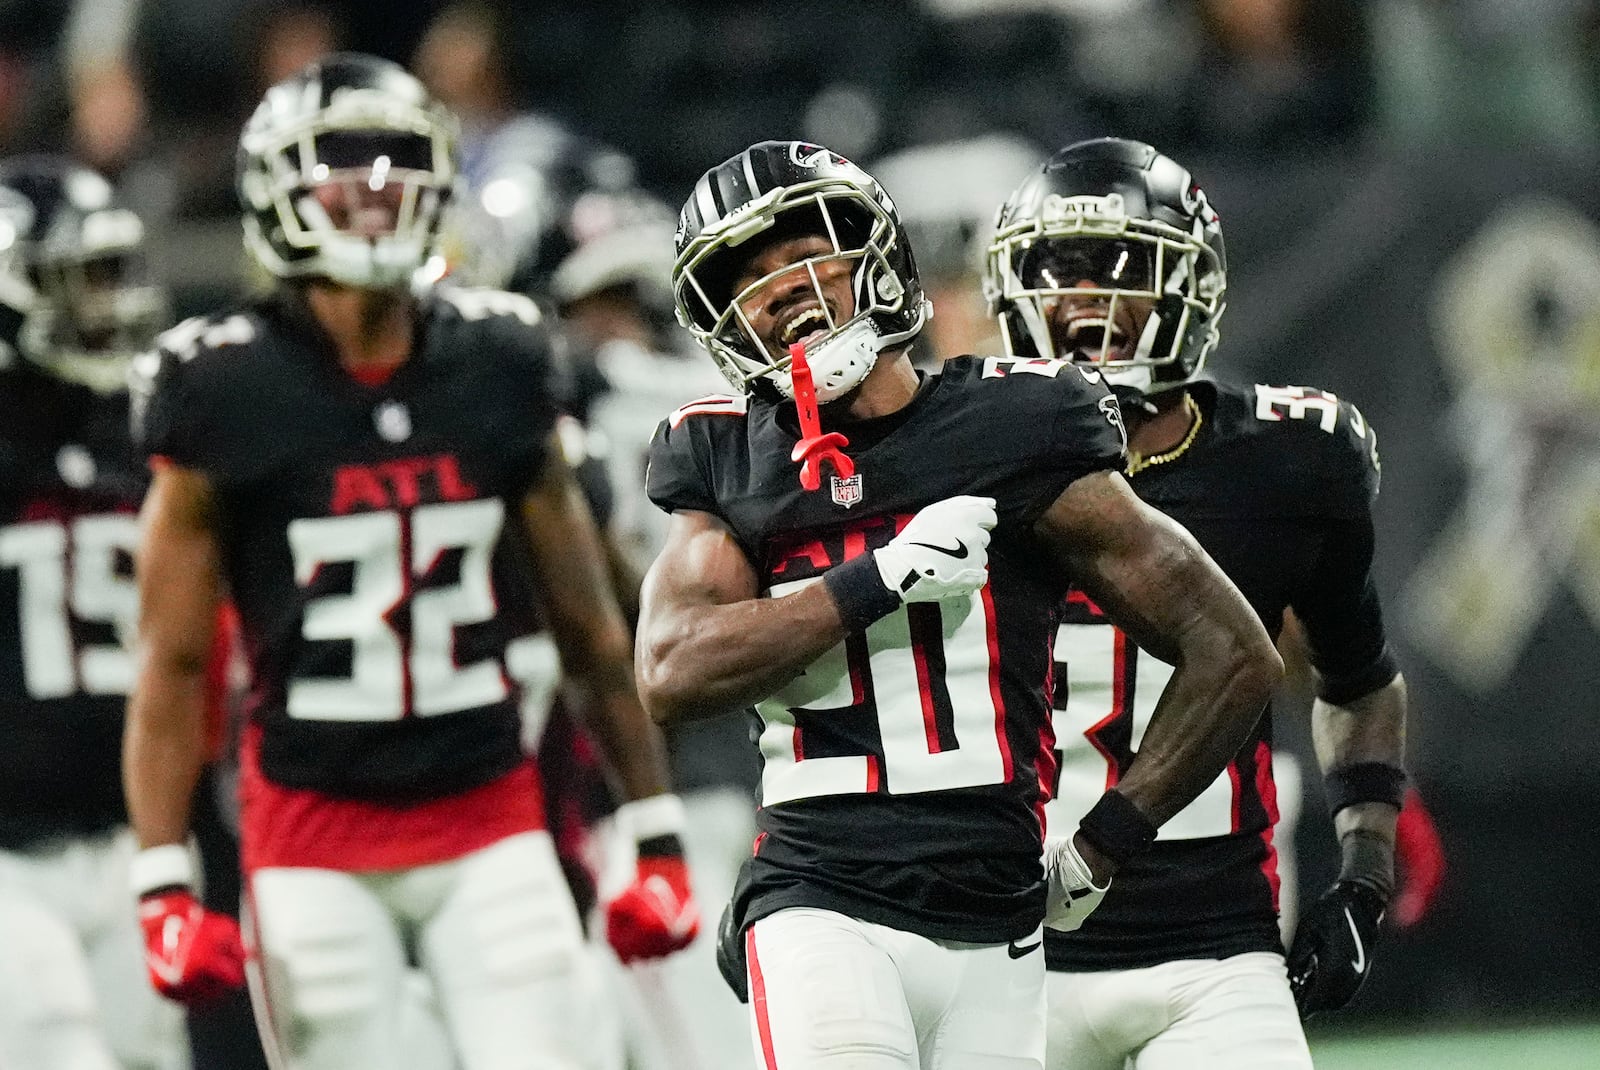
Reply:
x=367, y=465
x=892, y=626
x=75, y=307
x=1110, y=256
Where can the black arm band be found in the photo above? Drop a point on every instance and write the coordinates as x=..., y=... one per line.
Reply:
x=1364, y=782
x=1337, y=690
x=858, y=591
x=1117, y=828
x=664, y=846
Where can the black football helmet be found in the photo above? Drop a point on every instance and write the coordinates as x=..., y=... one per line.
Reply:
x=780, y=189
x=1132, y=223
x=344, y=172
x=75, y=268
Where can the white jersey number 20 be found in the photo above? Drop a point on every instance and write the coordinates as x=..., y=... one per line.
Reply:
x=901, y=673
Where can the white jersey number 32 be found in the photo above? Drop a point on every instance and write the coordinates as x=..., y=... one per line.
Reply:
x=389, y=552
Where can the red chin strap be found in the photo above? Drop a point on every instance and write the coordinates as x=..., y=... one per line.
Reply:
x=814, y=448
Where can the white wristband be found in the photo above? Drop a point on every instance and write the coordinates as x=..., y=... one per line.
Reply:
x=161, y=867
x=644, y=819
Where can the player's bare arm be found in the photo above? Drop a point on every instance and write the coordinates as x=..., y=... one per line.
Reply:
x=1371, y=728
x=179, y=592
x=596, y=649
x=707, y=642
x=626, y=577
x=1160, y=587
x=1360, y=744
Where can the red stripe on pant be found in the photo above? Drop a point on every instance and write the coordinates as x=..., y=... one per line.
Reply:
x=758, y=1000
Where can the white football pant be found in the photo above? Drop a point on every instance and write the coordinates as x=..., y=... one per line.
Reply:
x=73, y=990
x=830, y=992
x=1198, y=1014
x=495, y=931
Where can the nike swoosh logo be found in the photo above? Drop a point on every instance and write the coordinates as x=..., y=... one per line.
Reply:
x=959, y=553
x=1360, y=962
x=1016, y=950
x=679, y=918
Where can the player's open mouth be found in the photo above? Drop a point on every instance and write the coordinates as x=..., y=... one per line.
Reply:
x=808, y=325
x=1097, y=338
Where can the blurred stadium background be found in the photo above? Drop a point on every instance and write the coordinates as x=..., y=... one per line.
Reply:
x=1409, y=198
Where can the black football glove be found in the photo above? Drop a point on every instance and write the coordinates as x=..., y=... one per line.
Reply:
x=731, y=957
x=1332, y=951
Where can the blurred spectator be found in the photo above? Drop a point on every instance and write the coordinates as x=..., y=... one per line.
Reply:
x=290, y=37
x=1280, y=75
x=202, y=64
x=1488, y=73
x=947, y=194
x=524, y=171
x=32, y=92
x=108, y=110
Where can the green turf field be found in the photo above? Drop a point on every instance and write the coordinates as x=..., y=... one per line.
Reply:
x=1544, y=1047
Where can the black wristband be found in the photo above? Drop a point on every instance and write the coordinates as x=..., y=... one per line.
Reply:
x=858, y=591
x=1117, y=828
x=1364, y=782
x=1339, y=689
x=664, y=846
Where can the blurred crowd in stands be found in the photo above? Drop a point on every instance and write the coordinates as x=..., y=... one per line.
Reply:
x=153, y=93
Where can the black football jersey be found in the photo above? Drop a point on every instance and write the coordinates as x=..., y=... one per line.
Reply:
x=903, y=770
x=370, y=533
x=70, y=486
x=1277, y=486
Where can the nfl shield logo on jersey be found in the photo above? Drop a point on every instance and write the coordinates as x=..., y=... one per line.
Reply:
x=393, y=421
x=847, y=491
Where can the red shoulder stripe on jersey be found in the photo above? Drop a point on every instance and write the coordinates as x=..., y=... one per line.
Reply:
x=758, y=999
x=710, y=405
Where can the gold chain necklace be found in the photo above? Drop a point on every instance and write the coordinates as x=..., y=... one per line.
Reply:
x=1137, y=464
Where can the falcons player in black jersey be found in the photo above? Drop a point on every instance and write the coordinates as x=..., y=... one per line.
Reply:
x=367, y=466
x=1111, y=257
x=892, y=626
x=75, y=307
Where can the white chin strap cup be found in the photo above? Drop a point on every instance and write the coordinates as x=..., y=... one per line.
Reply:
x=839, y=363
x=387, y=261
x=1137, y=377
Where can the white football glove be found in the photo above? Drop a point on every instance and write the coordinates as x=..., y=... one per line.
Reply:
x=942, y=553
x=1070, y=891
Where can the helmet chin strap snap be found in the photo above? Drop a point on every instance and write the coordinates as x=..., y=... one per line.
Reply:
x=814, y=448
